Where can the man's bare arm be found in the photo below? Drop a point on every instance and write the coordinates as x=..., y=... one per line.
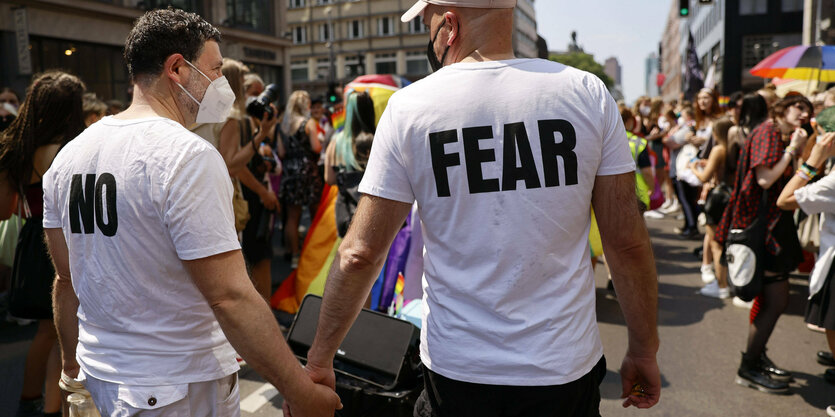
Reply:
x=251, y=328
x=64, y=301
x=358, y=262
x=629, y=256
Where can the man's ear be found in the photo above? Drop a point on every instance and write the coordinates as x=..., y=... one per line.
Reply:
x=173, y=67
x=453, y=20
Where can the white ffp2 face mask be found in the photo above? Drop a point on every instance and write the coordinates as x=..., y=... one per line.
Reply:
x=217, y=101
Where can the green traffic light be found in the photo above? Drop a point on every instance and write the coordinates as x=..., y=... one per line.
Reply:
x=684, y=12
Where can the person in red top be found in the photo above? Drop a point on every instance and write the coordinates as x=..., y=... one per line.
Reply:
x=765, y=166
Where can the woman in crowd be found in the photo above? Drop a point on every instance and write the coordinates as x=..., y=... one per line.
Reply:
x=93, y=108
x=688, y=194
x=51, y=116
x=347, y=155
x=668, y=123
x=707, y=111
x=718, y=171
x=238, y=145
x=301, y=184
x=818, y=197
x=762, y=173
x=655, y=138
x=9, y=102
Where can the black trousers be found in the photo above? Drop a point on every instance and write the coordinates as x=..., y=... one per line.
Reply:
x=444, y=397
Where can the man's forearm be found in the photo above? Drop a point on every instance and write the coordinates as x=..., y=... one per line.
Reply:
x=65, y=309
x=632, y=266
x=251, y=328
x=341, y=304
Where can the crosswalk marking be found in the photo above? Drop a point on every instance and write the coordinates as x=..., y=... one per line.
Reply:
x=259, y=398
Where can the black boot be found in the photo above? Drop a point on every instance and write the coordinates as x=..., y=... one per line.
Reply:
x=751, y=374
x=777, y=374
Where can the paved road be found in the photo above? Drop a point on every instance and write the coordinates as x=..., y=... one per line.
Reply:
x=701, y=340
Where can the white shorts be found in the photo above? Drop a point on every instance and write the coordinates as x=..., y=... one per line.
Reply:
x=218, y=398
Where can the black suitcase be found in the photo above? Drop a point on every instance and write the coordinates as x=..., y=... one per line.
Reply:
x=378, y=366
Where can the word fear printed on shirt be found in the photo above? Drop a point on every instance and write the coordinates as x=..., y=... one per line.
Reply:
x=92, y=199
x=515, y=137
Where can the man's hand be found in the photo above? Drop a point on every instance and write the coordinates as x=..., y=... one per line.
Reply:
x=640, y=380
x=323, y=377
x=318, y=401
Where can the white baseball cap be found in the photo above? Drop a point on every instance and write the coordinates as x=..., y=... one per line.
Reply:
x=417, y=9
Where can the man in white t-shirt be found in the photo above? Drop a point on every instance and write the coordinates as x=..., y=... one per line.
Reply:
x=138, y=216
x=504, y=156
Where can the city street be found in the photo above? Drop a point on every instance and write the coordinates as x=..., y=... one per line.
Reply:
x=701, y=340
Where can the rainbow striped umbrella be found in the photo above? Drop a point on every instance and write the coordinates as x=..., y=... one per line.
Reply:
x=800, y=62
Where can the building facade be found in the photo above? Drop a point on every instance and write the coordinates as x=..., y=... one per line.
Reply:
x=613, y=69
x=736, y=34
x=651, y=88
x=86, y=38
x=524, y=30
x=334, y=41
x=673, y=44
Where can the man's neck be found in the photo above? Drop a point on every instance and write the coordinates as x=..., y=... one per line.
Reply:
x=149, y=101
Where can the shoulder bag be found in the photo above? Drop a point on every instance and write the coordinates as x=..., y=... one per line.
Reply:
x=745, y=251
x=30, y=295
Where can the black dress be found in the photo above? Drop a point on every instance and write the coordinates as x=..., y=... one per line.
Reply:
x=301, y=183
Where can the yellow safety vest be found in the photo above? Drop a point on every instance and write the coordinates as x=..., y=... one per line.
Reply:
x=637, y=145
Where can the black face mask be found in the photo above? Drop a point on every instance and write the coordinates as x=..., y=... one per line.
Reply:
x=430, y=53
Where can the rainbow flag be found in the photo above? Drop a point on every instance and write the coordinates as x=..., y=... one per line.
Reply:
x=338, y=120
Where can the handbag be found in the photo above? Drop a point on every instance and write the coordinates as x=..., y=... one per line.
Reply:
x=30, y=295
x=716, y=201
x=809, y=234
x=240, y=207
x=744, y=253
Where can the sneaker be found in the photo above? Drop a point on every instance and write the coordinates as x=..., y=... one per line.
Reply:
x=742, y=304
x=30, y=408
x=830, y=411
x=240, y=359
x=712, y=290
x=666, y=204
x=708, y=275
x=825, y=358
x=776, y=373
x=653, y=214
x=670, y=209
x=815, y=328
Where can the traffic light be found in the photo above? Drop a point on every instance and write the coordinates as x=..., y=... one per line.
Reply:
x=332, y=96
x=684, y=8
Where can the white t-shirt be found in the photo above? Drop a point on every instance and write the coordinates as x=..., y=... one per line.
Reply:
x=508, y=290
x=134, y=199
x=819, y=197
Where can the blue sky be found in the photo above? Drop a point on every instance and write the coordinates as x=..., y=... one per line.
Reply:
x=628, y=30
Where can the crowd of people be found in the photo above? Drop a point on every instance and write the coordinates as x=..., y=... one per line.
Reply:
x=757, y=159
x=720, y=168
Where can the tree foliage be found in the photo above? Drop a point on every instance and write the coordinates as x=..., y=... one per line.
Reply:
x=585, y=62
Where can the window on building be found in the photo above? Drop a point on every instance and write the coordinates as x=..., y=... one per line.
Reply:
x=326, y=32
x=353, y=67
x=385, y=64
x=299, y=35
x=323, y=2
x=756, y=48
x=747, y=7
x=298, y=70
x=323, y=68
x=295, y=4
x=417, y=26
x=416, y=63
x=255, y=15
x=385, y=26
x=791, y=5
x=355, y=29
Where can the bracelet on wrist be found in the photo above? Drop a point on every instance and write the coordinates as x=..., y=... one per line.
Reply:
x=791, y=150
x=803, y=175
x=809, y=170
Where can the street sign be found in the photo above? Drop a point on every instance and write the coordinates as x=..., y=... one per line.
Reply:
x=24, y=58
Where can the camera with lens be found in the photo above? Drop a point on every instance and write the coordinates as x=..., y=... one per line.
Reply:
x=261, y=104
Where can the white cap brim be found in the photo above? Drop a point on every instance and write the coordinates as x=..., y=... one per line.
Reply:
x=414, y=11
